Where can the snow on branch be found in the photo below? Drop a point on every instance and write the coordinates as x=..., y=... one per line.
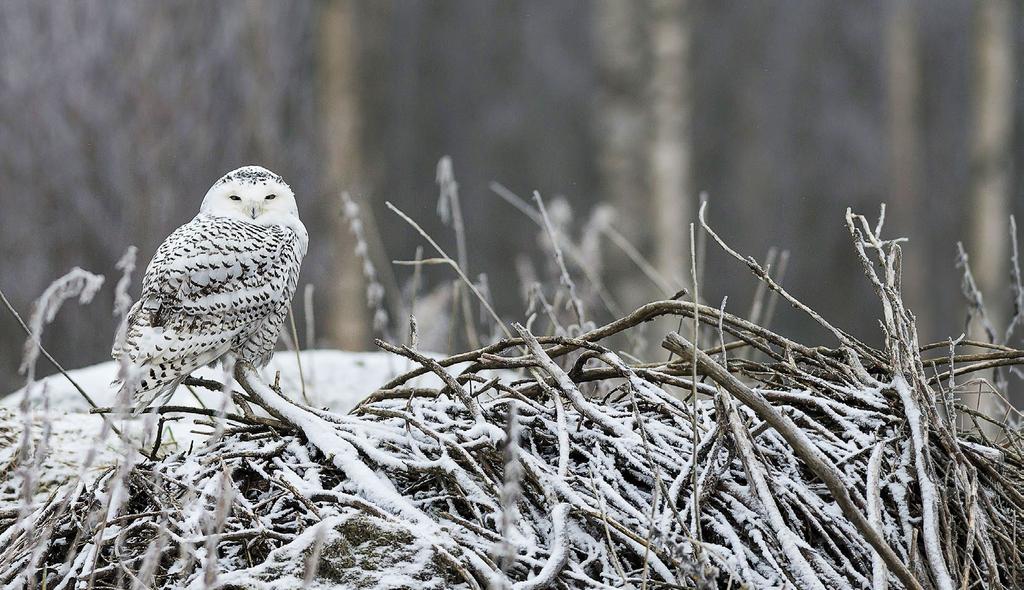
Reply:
x=577, y=466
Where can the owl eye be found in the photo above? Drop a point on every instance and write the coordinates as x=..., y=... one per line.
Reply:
x=270, y=197
x=235, y=198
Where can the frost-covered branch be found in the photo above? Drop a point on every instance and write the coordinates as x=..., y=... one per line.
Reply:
x=555, y=461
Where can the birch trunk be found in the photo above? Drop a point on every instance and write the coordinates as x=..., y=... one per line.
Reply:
x=670, y=146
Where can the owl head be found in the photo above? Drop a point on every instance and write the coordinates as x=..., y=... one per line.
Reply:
x=253, y=194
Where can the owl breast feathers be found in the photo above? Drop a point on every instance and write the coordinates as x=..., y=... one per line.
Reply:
x=216, y=286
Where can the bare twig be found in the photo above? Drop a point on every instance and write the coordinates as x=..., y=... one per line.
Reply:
x=448, y=260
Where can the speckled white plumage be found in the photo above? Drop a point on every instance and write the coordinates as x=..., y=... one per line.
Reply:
x=218, y=285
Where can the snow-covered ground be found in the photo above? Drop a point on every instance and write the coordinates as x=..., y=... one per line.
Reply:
x=334, y=379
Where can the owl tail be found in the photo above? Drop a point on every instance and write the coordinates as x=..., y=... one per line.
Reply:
x=139, y=394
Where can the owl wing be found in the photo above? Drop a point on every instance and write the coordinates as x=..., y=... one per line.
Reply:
x=211, y=282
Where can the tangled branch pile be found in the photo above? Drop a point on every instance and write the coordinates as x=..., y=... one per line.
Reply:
x=780, y=464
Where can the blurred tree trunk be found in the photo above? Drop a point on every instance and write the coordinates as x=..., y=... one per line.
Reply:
x=670, y=148
x=347, y=317
x=643, y=121
x=903, y=70
x=992, y=86
x=620, y=121
x=989, y=208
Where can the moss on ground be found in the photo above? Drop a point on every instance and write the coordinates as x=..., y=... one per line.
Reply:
x=367, y=552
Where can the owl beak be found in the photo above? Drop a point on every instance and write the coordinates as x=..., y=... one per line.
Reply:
x=254, y=212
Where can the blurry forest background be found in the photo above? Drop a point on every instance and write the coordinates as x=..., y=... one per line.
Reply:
x=115, y=118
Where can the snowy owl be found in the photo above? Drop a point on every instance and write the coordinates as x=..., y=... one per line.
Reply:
x=219, y=285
